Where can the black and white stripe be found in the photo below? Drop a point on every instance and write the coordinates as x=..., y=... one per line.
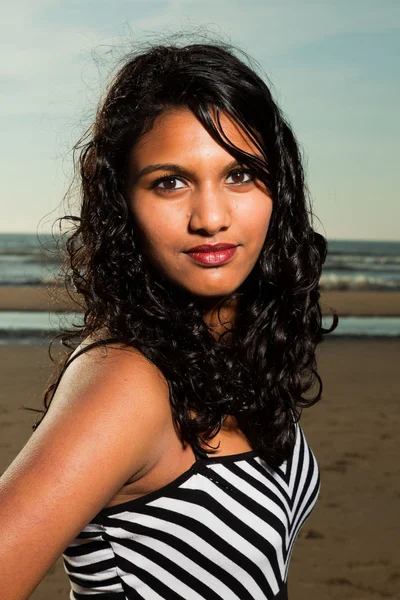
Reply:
x=224, y=529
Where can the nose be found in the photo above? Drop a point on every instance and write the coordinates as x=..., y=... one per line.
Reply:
x=210, y=210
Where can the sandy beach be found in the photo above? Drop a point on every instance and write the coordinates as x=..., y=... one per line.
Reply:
x=348, y=547
x=347, y=303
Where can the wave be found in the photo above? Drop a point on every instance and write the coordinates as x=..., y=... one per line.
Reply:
x=329, y=281
x=350, y=265
x=362, y=263
x=26, y=336
x=29, y=260
x=377, y=328
x=29, y=281
x=335, y=281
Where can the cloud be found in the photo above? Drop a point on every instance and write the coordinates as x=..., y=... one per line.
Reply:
x=51, y=57
x=57, y=55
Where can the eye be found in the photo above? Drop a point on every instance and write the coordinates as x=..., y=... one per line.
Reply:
x=168, y=184
x=240, y=176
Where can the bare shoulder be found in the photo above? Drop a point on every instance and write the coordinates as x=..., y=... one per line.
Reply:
x=94, y=351
x=109, y=418
x=119, y=382
x=113, y=360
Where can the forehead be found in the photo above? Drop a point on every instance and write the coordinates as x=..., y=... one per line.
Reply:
x=179, y=131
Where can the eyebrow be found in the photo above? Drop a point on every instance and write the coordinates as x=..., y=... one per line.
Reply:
x=179, y=169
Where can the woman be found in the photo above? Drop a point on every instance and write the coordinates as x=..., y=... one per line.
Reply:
x=171, y=462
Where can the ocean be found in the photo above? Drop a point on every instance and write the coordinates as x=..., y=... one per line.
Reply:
x=350, y=265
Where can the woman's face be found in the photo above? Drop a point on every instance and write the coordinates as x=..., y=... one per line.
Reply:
x=185, y=190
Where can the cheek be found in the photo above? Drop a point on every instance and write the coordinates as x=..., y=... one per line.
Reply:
x=254, y=217
x=160, y=228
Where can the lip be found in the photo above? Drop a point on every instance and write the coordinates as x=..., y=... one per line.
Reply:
x=213, y=259
x=211, y=247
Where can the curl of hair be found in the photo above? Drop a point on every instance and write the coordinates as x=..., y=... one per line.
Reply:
x=262, y=371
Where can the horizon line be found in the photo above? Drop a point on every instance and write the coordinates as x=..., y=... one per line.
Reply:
x=332, y=239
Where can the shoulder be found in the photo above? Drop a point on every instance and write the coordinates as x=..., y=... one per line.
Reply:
x=109, y=419
x=119, y=384
x=98, y=357
x=99, y=352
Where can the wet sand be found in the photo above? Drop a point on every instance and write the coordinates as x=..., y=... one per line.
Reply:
x=348, y=547
x=347, y=303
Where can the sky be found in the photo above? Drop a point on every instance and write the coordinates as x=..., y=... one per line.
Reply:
x=332, y=67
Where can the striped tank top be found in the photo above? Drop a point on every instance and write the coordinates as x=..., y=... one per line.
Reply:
x=224, y=529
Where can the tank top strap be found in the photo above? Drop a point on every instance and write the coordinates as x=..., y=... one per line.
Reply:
x=196, y=454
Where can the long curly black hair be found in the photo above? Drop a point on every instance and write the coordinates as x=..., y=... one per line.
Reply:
x=260, y=374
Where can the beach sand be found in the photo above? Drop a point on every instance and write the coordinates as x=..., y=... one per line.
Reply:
x=348, y=547
x=347, y=303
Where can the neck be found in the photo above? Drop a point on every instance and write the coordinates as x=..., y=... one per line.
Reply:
x=219, y=323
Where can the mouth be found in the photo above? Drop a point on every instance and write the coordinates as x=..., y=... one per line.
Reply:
x=213, y=258
x=212, y=247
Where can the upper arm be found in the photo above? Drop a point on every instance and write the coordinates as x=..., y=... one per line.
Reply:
x=105, y=423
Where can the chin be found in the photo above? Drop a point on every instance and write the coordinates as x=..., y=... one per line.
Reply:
x=212, y=291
